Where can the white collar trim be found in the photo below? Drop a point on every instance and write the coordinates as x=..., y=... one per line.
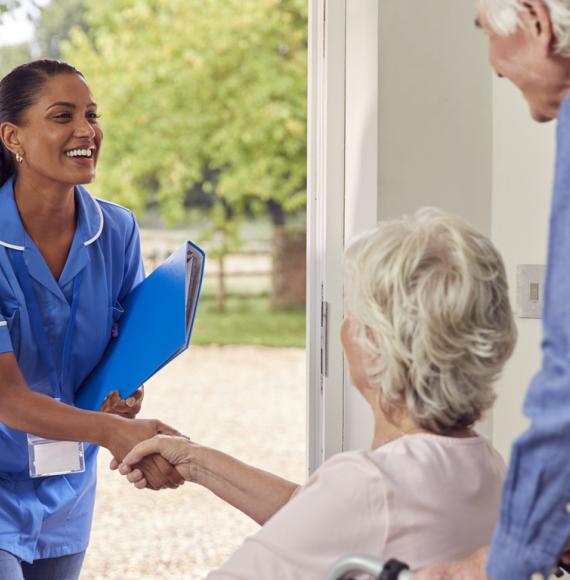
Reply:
x=101, y=224
x=12, y=246
x=87, y=243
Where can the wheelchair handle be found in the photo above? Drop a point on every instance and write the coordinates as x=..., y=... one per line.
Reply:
x=390, y=570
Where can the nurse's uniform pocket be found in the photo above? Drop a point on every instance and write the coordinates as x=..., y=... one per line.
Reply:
x=13, y=322
x=13, y=451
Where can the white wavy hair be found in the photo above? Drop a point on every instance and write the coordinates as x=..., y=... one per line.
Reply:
x=429, y=302
x=503, y=17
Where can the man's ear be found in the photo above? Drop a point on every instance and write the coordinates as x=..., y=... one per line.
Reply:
x=9, y=133
x=536, y=22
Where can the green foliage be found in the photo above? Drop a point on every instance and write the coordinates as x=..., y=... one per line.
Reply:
x=191, y=89
x=8, y=5
x=52, y=25
x=54, y=22
x=249, y=321
x=13, y=56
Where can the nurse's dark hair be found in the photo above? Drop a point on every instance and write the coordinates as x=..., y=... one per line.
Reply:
x=19, y=90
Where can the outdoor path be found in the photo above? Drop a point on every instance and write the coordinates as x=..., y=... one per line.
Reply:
x=247, y=401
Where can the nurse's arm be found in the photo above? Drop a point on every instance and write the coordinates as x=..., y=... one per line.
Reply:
x=25, y=410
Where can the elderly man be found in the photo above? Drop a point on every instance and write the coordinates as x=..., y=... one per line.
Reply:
x=530, y=46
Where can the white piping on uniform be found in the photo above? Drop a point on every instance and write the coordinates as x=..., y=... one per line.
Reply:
x=3, y=323
x=96, y=236
x=11, y=246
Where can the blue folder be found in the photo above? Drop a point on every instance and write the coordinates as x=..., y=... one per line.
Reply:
x=154, y=329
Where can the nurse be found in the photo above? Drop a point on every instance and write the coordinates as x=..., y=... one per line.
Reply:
x=67, y=261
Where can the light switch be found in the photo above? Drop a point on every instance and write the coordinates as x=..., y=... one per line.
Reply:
x=530, y=290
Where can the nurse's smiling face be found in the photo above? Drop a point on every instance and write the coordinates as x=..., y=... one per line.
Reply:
x=61, y=137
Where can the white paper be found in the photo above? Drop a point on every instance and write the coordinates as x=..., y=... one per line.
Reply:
x=57, y=457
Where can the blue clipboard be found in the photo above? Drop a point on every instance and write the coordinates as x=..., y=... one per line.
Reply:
x=154, y=329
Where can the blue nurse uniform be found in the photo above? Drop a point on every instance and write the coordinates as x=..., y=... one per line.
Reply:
x=51, y=517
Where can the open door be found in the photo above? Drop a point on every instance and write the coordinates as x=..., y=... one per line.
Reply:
x=343, y=194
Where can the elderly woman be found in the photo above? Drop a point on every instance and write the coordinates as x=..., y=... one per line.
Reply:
x=66, y=262
x=428, y=330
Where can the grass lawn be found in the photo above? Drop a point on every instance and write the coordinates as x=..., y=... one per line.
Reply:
x=249, y=321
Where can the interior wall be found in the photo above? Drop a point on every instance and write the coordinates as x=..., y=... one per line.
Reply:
x=454, y=136
x=523, y=163
x=361, y=170
x=435, y=113
x=435, y=120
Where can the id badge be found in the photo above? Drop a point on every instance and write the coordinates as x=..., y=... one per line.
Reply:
x=48, y=457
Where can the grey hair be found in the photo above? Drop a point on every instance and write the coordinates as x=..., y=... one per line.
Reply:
x=503, y=17
x=428, y=298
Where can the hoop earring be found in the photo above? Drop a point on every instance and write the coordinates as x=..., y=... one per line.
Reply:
x=19, y=158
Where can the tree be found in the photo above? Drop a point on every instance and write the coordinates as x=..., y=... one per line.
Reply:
x=190, y=90
x=13, y=55
x=54, y=22
x=187, y=87
x=8, y=5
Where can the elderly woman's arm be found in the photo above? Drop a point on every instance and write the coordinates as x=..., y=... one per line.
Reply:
x=257, y=493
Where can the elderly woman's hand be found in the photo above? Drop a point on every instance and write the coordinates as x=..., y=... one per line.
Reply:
x=129, y=407
x=158, y=473
x=176, y=450
x=257, y=493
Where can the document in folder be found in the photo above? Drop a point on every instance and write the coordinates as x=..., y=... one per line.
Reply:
x=154, y=329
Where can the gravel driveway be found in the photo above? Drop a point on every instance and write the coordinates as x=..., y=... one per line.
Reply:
x=247, y=401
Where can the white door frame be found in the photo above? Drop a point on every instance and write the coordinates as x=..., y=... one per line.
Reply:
x=325, y=364
x=342, y=200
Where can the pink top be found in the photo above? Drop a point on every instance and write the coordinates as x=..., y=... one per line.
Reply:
x=421, y=498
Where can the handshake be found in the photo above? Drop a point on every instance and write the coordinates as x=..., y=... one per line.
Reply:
x=138, y=447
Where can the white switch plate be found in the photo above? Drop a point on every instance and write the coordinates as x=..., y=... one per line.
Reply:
x=530, y=290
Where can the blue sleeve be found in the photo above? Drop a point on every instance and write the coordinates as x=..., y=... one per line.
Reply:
x=535, y=516
x=5, y=340
x=134, y=267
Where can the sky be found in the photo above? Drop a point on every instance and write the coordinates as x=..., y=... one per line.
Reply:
x=16, y=27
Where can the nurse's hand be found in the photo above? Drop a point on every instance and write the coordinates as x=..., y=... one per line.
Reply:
x=128, y=408
x=158, y=472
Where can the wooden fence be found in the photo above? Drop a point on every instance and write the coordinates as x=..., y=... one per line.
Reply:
x=242, y=274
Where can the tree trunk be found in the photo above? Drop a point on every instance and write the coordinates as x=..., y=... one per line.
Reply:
x=221, y=297
x=289, y=280
x=289, y=268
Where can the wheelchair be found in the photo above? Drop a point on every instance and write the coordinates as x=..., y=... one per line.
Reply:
x=392, y=569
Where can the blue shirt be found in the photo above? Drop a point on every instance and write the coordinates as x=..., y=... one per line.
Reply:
x=51, y=517
x=535, y=515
